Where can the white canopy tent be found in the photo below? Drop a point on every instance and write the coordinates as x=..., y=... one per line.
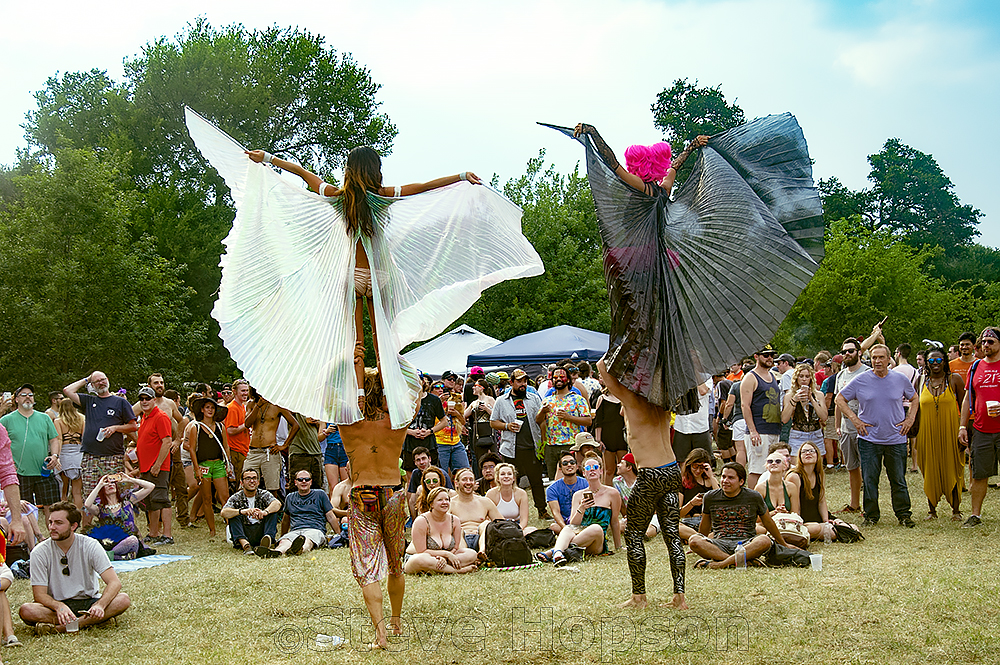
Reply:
x=449, y=351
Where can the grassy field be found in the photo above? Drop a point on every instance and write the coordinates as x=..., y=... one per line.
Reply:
x=919, y=595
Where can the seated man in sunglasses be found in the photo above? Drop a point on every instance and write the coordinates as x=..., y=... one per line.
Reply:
x=64, y=572
x=559, y=494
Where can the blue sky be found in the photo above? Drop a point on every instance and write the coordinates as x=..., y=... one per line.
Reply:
x=465, y=82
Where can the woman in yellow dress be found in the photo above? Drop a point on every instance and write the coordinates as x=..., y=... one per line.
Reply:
x=937, y=450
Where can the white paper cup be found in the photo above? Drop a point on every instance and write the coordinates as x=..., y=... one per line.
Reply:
x=816, y=561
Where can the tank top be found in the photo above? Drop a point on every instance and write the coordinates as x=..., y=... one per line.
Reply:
x=509, y=509
x=208, y=447
x=765, y=405
x=809, y=508
x=805, y=419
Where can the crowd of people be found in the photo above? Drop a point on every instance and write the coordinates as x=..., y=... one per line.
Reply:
x=753, y=465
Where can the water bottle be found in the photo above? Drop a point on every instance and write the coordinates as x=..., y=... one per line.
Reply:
x=741, y=556
x=46, y=471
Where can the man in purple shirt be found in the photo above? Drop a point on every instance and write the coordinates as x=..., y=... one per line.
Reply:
x=882, y=424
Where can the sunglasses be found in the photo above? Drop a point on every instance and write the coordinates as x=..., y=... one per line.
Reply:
x=591, y=467
x=567, y=462
x=65, y=562
x=144, y=398
x=433, y=481
x=769, y=354
x=302, y=480
x=846, y=351
x=935, y=361
x=774, y=461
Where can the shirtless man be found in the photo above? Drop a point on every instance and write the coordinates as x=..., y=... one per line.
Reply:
x=340, y=497
x=265, y=454
x=377, y=505
x=656, y=489
x=474, y=510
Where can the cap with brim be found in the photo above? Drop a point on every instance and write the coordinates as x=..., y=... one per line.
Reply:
x=787, y=357
x=503, y=375
x=146, y=391
x=838, y=359
x=220, y=409
x=448, y=374
x=767, y=349
x=629, y=457
x=518, y=374
x=23, y=386
x=476, y=371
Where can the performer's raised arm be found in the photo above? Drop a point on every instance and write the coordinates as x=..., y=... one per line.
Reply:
x=314, y=182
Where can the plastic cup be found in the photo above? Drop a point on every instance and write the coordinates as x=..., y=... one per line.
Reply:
x=816, y=561
x=73, y=626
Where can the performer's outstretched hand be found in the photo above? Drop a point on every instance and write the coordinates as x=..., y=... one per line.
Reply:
x=255, y=155
x=700, y=141
x=473, y=178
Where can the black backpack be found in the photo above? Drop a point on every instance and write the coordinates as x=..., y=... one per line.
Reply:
x=505, y=544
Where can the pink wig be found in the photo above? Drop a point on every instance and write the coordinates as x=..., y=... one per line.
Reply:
x=648, y=162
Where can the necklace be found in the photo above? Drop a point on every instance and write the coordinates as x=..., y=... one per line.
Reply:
x=936, y=391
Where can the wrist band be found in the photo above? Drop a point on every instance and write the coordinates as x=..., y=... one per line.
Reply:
x=267, y=157
x=322, y=188
x=361, y=392
x=463, y=175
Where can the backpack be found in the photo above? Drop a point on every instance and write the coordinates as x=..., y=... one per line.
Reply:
x=541, y=539
x=505, y=544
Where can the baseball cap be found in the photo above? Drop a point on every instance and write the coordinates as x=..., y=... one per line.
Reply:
x=146, y=391
x=23, y=386
x=448, y=374
x=787, y=357
x=476, y=371
x=629, y=457
x=839, y=358
x=516, y=374
x=503, y=375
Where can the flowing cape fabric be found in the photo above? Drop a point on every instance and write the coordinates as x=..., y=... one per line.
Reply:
x=286, y=301
x=701, y=281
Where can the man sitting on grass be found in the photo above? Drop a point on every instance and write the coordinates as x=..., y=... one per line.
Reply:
x=732, y=512
x=252, y=514
x=64, y=571
x=473, y=510
x=560, y=493
x=309, y=511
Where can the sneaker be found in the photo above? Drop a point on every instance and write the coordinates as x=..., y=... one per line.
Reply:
x=266, y=542
x=973, y=521
x=265, y=553
x=869, y=522
x=151, y=540
x=12, y=641
x=907, y=522
x=296, y=545
x=166, y=540
x=848, y=509
x=829, y=467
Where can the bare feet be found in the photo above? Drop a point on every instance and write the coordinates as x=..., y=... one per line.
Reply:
x=678, y=602
x=397, y=625
x=636, y=602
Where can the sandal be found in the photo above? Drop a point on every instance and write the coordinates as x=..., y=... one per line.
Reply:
x=702, y=563
x=12, y=641
x=559, y=559
x=544, y=556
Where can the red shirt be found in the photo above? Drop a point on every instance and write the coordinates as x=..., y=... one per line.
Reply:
x=986, y=382
x=235, y=417
x=153, y=429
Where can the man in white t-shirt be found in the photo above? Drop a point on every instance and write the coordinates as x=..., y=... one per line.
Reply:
x=64, y=577
x=694, y=430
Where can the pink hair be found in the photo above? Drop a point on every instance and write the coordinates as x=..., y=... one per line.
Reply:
x=648, y=162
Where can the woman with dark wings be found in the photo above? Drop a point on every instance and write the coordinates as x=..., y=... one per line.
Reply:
x=300, y=265
x=706, y=277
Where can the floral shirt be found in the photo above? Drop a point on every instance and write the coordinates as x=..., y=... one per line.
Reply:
x=562, y=432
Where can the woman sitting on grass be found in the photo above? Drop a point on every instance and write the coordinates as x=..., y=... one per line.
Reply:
x=430, y=479
x=114, y=508
x=511, y=500
x=697, y=478
x=808, y=493
x=596, y=509
x=438, y=545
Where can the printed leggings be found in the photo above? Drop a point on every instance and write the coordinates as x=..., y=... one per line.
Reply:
x=655, y=492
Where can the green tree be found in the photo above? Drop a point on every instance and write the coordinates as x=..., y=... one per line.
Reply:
x=282, y=89
x=865, y=276
x=78, y=292
x=910, y=197
x=561, y=223
x=684, y=111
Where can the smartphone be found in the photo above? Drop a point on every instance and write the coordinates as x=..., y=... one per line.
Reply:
x=7, y=396
x=588, y=496
x=882, y=322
